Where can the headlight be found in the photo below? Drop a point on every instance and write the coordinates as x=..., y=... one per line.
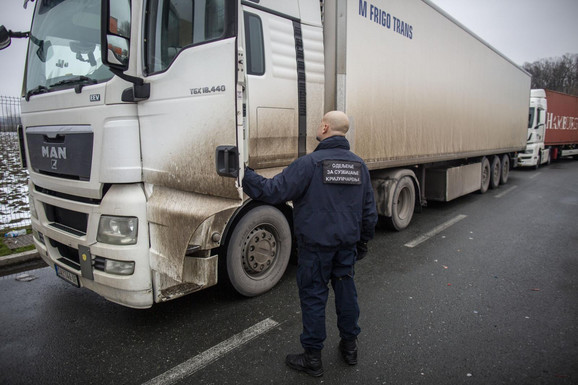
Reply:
x=117, y=230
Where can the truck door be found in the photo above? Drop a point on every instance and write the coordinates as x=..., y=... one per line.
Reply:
x=190, y=62
x=272, y=84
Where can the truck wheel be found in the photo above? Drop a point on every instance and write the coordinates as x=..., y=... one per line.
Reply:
x=505, y=169
x=403, y=204
x=496, y=172
x=258, y=251
x=485, y=175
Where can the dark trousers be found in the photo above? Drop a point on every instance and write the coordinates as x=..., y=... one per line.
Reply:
x=315, y=270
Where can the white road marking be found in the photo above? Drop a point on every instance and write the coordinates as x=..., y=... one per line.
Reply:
x=211, y=355
x=506, y=192
x=535, y=175
x=435, y=231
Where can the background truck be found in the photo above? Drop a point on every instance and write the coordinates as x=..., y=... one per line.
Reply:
x=138, y=118
x=552, y=128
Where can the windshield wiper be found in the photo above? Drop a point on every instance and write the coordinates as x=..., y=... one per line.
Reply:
x=80, y=82
x=35, y=91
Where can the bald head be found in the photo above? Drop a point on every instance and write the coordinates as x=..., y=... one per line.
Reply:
x=334, y=123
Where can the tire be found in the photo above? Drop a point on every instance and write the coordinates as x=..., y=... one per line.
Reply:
x=505, y=169
x=403, y=204
x=537, y=166
x=485, y=175
x=258, y=251
x=495, y=172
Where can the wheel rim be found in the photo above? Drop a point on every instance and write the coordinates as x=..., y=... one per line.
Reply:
x=259, y=251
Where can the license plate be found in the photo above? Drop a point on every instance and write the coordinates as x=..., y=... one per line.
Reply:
x=67, y=276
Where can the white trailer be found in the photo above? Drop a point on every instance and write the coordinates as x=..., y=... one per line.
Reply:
x=124, y=194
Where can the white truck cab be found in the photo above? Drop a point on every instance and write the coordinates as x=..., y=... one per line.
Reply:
x=536, y=154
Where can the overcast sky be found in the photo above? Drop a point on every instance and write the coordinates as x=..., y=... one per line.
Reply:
x=523, y=30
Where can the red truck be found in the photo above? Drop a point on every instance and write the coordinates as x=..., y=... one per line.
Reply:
x=561, y=124
x=552, y=128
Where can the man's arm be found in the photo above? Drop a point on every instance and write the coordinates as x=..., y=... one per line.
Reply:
x=286, y=186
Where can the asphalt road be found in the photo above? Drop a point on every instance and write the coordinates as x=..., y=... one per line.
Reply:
x=491, y=299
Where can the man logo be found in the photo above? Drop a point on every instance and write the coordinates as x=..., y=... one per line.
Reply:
x=54, y=152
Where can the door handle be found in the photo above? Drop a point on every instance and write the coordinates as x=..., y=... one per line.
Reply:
x=227, y=161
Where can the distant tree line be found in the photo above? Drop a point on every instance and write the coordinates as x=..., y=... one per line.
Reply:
x=556, y=74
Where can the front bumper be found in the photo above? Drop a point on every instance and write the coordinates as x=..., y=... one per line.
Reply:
x=65, y=232
x=529, y=158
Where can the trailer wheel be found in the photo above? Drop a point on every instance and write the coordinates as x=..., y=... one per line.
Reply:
x=485, y=175
x=403, y=204
x=258, y=251
x=496, y=172
x=505, y=169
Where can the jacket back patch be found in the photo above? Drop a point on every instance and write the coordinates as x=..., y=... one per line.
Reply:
x=341, y=172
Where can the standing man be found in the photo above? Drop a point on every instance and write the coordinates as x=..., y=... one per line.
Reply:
x=334, y=218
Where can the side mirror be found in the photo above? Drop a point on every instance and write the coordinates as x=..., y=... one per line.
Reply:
x=5, y=39
x=116, y=33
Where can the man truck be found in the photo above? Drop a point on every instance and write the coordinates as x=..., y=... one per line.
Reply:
x=552, y=128
x=139, y=117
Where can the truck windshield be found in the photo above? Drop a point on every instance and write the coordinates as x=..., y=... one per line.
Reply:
x=64, y=46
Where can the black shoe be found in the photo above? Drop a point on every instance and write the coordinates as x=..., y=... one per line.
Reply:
x=348, y=351
x=308, y=362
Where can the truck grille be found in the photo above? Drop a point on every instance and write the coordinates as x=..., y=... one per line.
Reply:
x=69, y=255
x=70, y=221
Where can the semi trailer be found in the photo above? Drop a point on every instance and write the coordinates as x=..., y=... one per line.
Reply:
x=138, y=117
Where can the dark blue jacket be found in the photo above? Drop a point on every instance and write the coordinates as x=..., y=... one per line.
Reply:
x=331, y=210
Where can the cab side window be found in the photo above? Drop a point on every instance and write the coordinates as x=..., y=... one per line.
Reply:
x=254, y=44
x=173, y=25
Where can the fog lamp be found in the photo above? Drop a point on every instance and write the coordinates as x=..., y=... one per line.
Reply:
x=119, y=267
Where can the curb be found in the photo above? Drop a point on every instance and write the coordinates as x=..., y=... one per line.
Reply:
x=19, y=258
